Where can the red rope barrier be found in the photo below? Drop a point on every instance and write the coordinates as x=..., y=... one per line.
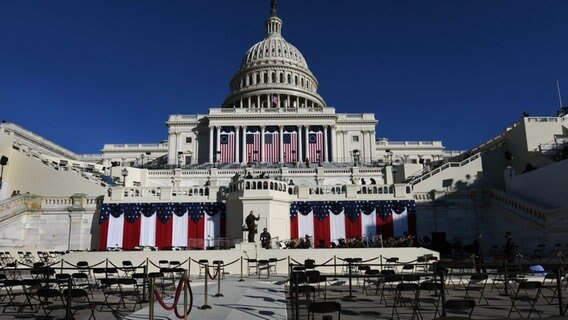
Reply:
x=183, y=284
x=216, y=272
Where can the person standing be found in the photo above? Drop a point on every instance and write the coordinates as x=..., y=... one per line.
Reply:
x=478, y=254
x=509, y=250
x=251, y=225
x=265, y=239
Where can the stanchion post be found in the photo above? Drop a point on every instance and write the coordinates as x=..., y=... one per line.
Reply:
x=350, y=266
x=188, y=269
x=241, y=279
x=218, y=294
x=334, y=265
x=443, y=293
x=68, y=314
x=559, y=289
x=506, y=277
x=145, y=280
x=151, y=302
x=206, y=306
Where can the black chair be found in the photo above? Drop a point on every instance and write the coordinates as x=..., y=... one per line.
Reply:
x=477, y=283
x=324, y=308
x=50, y=300
x=406, y=295
x=528, y=293
x=78, y=300
x=430, y=294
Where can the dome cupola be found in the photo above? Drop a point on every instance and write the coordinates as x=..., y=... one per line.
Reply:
x=273, y=74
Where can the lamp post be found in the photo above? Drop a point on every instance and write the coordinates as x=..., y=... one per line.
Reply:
x=69, y=231
x=124, y=174
x=3, y=162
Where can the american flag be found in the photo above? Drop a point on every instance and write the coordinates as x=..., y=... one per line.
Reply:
x=253, y=146
x=315, y=148
x=271, y=147
x=227, y=142
x=290, y=144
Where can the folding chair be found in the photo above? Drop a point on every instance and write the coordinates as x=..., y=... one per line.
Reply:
x=50, y=300
x=14, y=295
x=371, y=277
x=430, y=294
x=527, y=292
x=406, y=294
x=252, y=264
x=221, y=265
x=477, y=283
x=202, y=264
x=81, y=281
x=307, y=291
x=79, y=300
x=324, y=308
x=549, y=284
x=273, y=262
x=388, y=284
x=313, y=277
x=263, y=266
x=127, y=268
x=460, y=306
x=83, y=267
x=111, y=291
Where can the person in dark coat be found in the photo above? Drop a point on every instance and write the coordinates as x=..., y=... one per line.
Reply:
x=251, y=225
x=509, y=250
x=478, y=254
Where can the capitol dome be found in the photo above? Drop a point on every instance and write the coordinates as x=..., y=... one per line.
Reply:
x=273, y=74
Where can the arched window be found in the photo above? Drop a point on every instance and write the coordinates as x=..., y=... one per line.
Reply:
x=257, y=78
x=265, y=77
x=289, y=79
x=281, y=77
x=273, y=77
x=296, y=80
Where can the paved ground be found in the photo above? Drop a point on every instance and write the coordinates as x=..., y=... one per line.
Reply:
x=266, y=299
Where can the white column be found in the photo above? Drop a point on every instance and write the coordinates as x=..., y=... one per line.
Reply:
x=306, y=143
x=172, y=148
x=324, y=151
x=245, y=156
x=218, y=147
x=333, y=144
x=211, y=144
x=237, y=144
x=299, y=144
x=281, y=141
x=345, y=151
x=371, y=145
x=261, y=144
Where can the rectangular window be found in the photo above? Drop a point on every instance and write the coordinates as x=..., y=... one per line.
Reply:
x=355, y=138
x=188, y=140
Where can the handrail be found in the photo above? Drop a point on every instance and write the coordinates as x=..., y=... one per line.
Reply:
x=444, y=167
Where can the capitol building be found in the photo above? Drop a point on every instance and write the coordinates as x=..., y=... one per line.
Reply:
x=305, y=169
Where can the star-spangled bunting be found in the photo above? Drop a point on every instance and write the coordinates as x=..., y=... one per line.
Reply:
x=352, y=209
x=165, y=211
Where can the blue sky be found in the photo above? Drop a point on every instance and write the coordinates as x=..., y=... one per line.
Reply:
x=85, y=73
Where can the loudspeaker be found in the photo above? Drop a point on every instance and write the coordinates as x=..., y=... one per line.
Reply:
x=439, y=242
x=4, y=160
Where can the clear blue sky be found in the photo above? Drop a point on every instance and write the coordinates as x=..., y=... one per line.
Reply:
x=85, y=73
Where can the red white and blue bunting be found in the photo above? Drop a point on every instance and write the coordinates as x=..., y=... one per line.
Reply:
x=161, y=225
x=327, y=221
